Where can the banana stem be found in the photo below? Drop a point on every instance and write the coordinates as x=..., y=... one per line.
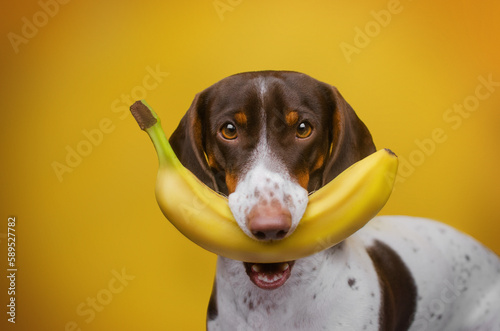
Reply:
x=149, y=122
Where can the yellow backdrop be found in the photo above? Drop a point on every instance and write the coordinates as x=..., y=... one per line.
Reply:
x=93, y=250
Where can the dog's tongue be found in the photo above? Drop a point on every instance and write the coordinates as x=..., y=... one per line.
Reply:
x=269, y=276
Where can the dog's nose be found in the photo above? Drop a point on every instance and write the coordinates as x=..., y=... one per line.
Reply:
x=269, y=221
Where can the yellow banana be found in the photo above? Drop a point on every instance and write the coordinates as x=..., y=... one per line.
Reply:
x=333, y=213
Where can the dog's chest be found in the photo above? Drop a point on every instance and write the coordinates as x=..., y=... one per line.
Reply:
x=337, y=289
x=456, y=285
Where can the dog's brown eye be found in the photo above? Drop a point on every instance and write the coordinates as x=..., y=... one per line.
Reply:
x=229, y=131
x=304, y=130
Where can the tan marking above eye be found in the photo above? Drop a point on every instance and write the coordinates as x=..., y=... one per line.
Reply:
x=240, y=118
x=291, y=118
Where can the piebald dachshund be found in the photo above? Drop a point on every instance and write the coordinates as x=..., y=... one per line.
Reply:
x=266, y=140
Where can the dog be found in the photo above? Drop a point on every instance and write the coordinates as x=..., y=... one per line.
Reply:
x=266, y=140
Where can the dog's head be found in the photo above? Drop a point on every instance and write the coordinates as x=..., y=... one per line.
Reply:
x=266, y=140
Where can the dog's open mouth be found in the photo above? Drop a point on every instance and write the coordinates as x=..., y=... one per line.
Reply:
x=269, y=276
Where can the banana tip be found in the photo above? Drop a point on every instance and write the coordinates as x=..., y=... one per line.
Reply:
x=143, y=115
x=390, y=152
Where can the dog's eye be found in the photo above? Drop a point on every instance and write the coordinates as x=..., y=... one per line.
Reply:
x=229, y=131
x=304, y=130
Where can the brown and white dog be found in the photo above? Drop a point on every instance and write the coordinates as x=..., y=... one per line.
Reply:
x=266, y=140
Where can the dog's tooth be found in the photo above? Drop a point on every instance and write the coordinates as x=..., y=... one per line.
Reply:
x=284, y=266
x=256, y=268
x=269, y=279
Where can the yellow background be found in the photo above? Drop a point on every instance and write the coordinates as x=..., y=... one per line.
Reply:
x=102, y=216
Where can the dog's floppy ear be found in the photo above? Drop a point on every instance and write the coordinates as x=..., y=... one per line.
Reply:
x=350, y=139
x=187, y=142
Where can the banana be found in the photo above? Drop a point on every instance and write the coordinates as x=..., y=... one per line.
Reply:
x=334, y=212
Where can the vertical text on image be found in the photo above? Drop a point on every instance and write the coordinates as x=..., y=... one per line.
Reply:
x=11, y=269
